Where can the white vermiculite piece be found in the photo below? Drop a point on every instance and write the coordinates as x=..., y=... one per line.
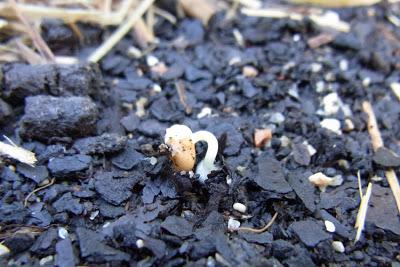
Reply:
x=338, y=246
x=239, y=207
x=330, y=227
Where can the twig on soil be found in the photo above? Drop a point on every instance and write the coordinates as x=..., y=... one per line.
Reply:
x=37, y=39
x=372, y=125
x=396, y=89
x=76, y=31
x=28, y=54
x=69, y=14
x=337, y=3
x=200, y=9
x=37, y=190
x=261, y=230
x=394, y=185
x=166, y=15
x=142, y=33
x=323, y=20
x=122, y=30
x=18, y=153
x=180, y=88
x=362, y=212
x=377, y=142
x=320, y=39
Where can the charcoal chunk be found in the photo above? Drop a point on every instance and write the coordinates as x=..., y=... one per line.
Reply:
x=301, y=154
x=19, y=242
x=47, y=116
x=127, y=159
x=44, y=244
x=67, y=203
x=309, y=232
x=114, y=190
x=298, y=180
x=165, y=110
x=177, y=226
x=70, y=166
x=103, y=144
x=93, y=249
x=382, y=211
x=270, y=175
x=37, y=174
x=14, y=213
x=263, y=238
x=386, y=158
x=64, y=253
x=110, y=211
x=347, y=41
x=5, y=111
x=22, y=80
x=130, y=122
x=78, y=79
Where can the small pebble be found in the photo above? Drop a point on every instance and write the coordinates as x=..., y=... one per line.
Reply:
x=277, y=118
x=285, y=141
x=93, y=215
x=358, y=255
x=205, y=112
x=311, y=150
x=134, y=52
x=211, y=262
x=329, y=77
x=62, y=233
x=344, y=65
x=331, y=124
x=228, y=180
x=396, y=89
x=45, y=260
x=316, y=67
x=348, y=125
x=262, y=136
x=139, y=243
x=293, y=92
x=338, y=246
x=4, y=250
x=320, y=86
x=249, y=71
x=233, y=224
x=366, y=81
x=153, y=161
x=296, y=38
x=331, y=103
x=157, y=88
x=330, y=227
x=240, y=207
x=151, y=61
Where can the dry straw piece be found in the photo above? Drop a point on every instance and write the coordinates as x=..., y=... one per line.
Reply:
x=18, y=153
x=377, y=142
x=122, y=30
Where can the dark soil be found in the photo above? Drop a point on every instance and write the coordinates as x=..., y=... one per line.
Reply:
x=116, y=200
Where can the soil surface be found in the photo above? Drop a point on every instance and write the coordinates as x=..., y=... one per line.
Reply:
x=112, y=196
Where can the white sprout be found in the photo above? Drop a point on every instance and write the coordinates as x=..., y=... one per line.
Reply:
x=181, y=139
x=207, y=164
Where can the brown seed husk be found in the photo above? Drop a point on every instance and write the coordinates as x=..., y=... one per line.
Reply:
x=183, y=154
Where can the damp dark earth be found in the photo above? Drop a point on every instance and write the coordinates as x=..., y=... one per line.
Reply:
x=301, y=177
